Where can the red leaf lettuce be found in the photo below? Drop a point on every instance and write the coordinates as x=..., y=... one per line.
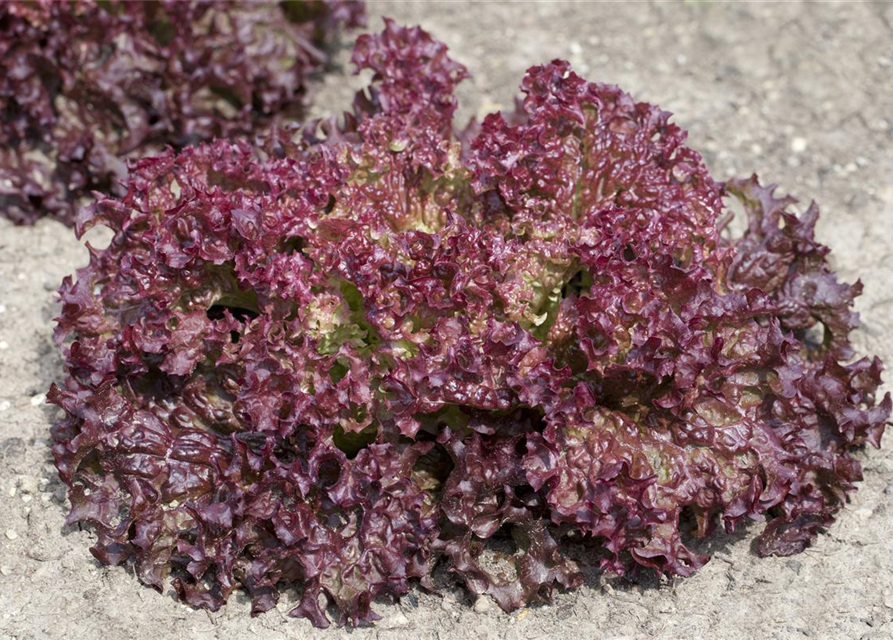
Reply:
x=333, y=361
x=86, y=83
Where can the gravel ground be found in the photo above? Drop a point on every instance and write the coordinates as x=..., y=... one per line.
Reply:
x=801, y=94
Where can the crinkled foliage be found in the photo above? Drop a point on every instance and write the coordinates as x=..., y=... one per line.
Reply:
x=331, y=363
x=87, y=83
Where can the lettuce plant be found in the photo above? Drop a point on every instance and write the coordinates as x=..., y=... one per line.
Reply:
x=86, y=83
x=330, y=362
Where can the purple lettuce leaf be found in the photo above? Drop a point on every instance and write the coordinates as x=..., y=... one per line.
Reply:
x=365, y=348
x=85, y=85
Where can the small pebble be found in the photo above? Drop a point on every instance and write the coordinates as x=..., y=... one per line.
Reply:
x=889, y=489
x=11, y=534
x=4, y=345
x=575, y=48
x=395, y=621
x=5, y=570
x=886, y=465
x=2, y=308
x=12, y=492
x=864, y=513
x=798, y=145
x=482, y=605
x=411, y=600
x=38, y=400
x=6, y=404
x=29, y=484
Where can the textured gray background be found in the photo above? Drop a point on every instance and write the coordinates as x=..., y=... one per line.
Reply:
x=801, y=94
